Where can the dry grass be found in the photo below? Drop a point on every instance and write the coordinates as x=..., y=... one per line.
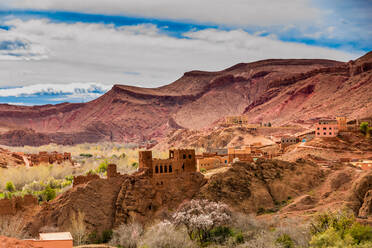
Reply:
x=12, y=226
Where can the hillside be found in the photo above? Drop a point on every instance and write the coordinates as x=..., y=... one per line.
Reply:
x=280, y=91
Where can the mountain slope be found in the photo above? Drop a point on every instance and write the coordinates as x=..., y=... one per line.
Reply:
x=280, y=91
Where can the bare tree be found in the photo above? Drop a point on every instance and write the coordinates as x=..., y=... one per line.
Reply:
x=78, y=228
x=12, y=226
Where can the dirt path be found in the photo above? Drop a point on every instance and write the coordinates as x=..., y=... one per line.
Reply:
x=27, y=162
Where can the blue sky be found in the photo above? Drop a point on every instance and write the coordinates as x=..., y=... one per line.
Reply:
x=53, y=51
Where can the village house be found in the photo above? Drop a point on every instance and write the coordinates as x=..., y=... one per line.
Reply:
x=288, y=140
x=326, y=128
x=246, y=153
x=236, y=120
x=209, y=161
x=53, y=240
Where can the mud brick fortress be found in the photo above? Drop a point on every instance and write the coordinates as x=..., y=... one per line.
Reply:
x=180, y=161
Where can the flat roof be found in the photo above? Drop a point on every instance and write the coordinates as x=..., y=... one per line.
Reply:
x=56, y=236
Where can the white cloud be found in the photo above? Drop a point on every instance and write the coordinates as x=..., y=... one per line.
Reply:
x=75, y=89
x=232, y=12
x=136, y=55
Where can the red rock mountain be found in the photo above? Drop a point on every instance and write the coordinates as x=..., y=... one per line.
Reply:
x=278, y=90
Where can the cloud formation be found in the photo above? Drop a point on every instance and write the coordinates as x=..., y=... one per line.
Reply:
x=137, y=55
x=52, y=93
x=233, y=12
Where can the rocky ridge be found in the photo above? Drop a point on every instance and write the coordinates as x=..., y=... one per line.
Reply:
x=281, y=91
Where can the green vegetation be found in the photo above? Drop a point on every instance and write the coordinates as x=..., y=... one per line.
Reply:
x=365, y=129
x=102, y=168
x=9, y=186
x=87, y=155
x=285, y=241
x=49, y=193
x=203, y=170
x=339, y=230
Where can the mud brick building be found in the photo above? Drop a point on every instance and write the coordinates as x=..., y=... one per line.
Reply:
x=209, y=161
x=288, y=140
x=180, y=161
x=326, y=128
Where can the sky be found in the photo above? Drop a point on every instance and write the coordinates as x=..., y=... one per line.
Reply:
x=53, y=51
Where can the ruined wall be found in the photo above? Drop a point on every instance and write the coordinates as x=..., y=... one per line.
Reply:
x=17, y=203
x=49, y=158
x=112, y=171
x=84, y=179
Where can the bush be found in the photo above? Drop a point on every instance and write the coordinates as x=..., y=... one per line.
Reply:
x=285, y=241
x=239, y=238
x=203, y=170
x=165, y=234
x=9, y=186
x=106, y=236
x=220, y=234
x=102, y=168
x=87, y=155
x=127, y=235
x=364, y=127
x=340, y=230
x=48, y=193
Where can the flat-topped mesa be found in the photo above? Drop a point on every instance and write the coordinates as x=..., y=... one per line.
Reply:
x=180, y=161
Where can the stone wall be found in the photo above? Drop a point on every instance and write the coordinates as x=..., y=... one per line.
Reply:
x=18, y=203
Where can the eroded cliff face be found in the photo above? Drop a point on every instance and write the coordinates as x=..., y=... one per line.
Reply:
x=107, y=203
x=279, y=91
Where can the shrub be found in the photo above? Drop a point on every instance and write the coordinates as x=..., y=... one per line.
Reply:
x=220, y=234
x=360, y=233
x=106, y=236
x=165, y=234
x=340, y=230
x=87, y=155
x=239, y=238
x=127, y=235
x=9, y=186
x=135, y=165
x=364, y=127
x=203, y=170
x=200, y=217
x=285, y=241
x=102, y=168
x=49, y=193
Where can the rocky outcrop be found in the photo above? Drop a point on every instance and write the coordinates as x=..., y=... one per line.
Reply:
x=95, y=199
x=366, y=209
x=360, y=189
x=141, y=200
x=115, y=200
x=251, y=187
x=8, y=158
